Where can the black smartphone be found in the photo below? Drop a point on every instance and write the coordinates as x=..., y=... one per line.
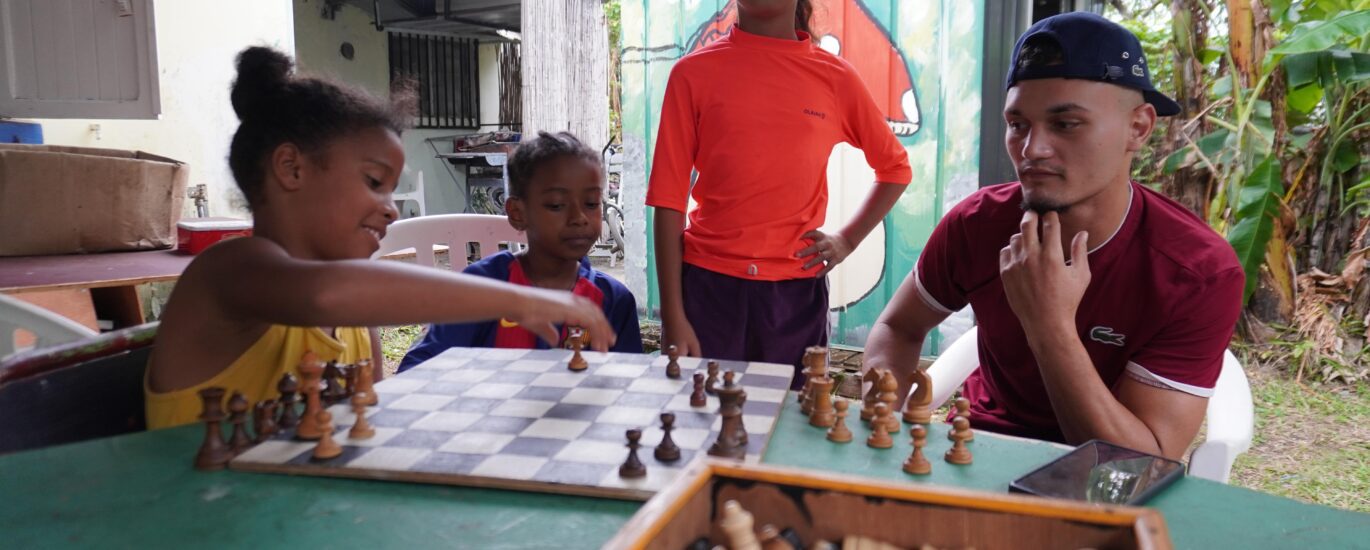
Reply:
x=1103, y=473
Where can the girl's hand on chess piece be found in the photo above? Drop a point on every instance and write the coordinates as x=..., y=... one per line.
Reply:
x=541, y=310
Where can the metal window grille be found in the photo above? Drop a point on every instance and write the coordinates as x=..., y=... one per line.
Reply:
x=444, y=69
x=510, y=85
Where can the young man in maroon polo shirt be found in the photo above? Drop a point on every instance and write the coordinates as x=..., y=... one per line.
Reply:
x=1103, y=307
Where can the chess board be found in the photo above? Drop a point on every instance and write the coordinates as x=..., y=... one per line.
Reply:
x=519, y=419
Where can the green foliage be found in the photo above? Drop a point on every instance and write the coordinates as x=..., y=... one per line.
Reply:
x=1326, y=67
x=395, y=341
x=1258, y=206
x=1311, y=443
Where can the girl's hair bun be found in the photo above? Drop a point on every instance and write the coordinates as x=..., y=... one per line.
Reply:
x=263, y=74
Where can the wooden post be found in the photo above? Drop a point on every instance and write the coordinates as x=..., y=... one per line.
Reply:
x=565, y=51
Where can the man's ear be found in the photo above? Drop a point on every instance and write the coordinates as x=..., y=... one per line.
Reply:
x=516, y=210
x=287, y=164
x=1140, y=127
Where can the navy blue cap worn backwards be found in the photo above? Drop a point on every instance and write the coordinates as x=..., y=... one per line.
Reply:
x=1092, y=48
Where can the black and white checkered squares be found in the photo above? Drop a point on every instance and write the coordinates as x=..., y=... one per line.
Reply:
x=519, y=418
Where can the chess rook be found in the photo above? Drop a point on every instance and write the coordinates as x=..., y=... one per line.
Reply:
x=824, y=413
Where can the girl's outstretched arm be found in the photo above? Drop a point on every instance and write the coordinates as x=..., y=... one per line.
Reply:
x=256, y=280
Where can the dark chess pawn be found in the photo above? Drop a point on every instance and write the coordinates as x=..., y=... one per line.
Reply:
x=333, y=391
x=711, y=383
x=290, y=414
x=633, y=467
x=673, y=367
x=214, y=453
x=667, y=450
x=241, y=440
x=350, y=378
x=697, y=398
x=264, y=419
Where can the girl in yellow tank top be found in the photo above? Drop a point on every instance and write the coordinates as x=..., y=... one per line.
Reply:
x=256, y=373
x=318, y=163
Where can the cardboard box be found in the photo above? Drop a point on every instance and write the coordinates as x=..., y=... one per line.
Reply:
x=65, y=200
x=196, y=234
x=868, y=512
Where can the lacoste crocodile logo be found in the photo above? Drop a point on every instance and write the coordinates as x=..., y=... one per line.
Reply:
x=1105, y=335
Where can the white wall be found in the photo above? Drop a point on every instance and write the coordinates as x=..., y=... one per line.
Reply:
x=318, y=46
x=197, y=41
x=487, y=55
x=317, y=50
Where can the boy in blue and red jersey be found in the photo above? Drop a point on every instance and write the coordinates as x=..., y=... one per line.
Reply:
x=555, y=189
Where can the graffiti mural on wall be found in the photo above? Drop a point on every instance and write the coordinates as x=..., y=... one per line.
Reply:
x=846, y=28
x=916, y=58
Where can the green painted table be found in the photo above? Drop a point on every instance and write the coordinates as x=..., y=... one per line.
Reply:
x=139, y=491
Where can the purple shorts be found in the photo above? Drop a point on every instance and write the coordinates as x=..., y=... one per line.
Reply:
x=745, y=320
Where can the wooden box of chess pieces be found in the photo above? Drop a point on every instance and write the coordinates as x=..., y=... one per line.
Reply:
x=787, y=508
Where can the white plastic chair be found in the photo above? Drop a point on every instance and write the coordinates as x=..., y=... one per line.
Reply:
x=48, y=328
x=415, y=194
x=453, y=231
x=1230, y=414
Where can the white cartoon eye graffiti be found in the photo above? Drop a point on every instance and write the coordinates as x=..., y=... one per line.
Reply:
x=909, y=102
x=850, y=180
x=831, y=44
